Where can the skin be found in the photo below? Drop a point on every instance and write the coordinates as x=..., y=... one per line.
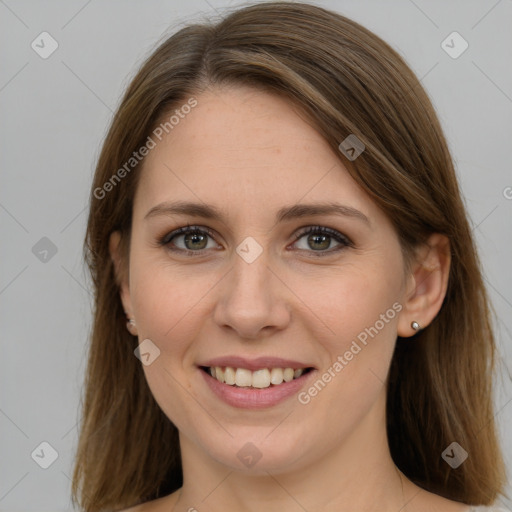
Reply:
x=249, y=154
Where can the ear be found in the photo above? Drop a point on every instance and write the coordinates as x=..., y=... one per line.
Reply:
x=427, y=287
x=121, y=271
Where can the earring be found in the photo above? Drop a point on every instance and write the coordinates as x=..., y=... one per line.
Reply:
x=415, y=325
x=130, y=325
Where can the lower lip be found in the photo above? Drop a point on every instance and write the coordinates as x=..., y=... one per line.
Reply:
x=254, y=398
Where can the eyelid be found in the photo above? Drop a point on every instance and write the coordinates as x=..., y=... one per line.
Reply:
x=326, y=230
x=185, y=230
x=341, y=238
x=165, y=240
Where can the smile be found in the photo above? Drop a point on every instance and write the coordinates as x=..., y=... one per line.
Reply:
x=259, y=379
x=254, y=383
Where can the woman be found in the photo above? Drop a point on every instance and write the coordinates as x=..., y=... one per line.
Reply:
x=290, y=312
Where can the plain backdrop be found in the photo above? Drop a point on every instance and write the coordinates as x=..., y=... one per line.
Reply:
x=54, y=114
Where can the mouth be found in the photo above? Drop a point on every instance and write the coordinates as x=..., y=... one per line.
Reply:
x=261, y=378
x=259, y=383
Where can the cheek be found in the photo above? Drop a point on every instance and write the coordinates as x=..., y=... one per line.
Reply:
x=353, y=299
x=164, y=304
x=164, y=299
x=358, y=311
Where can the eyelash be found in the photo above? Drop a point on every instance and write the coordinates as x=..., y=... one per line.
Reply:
x=345, y=242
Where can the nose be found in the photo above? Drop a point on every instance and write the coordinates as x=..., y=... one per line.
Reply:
x=253, y=300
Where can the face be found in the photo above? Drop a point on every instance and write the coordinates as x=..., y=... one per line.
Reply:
x=295, y=304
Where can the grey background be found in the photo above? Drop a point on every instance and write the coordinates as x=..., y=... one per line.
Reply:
x=54, y=115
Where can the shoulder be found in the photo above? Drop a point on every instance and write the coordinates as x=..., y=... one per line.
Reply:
x=160, y=505
x=425, y=501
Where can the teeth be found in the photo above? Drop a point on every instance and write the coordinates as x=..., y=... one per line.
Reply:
x=260, y=379
x=276, y=376
x=288, y=374
x=229, y=376
x=243, y=377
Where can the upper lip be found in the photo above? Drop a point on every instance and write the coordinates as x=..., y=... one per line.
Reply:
x=254, y=364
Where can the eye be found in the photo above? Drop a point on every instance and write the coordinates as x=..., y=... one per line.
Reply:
x=318, y=239
x=191, y=239
x=194, y=240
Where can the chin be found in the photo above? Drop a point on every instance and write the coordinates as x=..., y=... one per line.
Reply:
x=258, y=450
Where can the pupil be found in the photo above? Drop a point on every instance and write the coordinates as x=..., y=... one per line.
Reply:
x=194, y=238
x=319, y=239
x=198, y=240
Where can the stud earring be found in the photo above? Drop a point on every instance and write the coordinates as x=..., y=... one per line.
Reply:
x=415, y=325
x=130, y=325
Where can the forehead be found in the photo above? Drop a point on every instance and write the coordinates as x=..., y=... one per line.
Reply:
x=246, y=148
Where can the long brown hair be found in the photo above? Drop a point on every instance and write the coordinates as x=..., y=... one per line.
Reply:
x=346, y=81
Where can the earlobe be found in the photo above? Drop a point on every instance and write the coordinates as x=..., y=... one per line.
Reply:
x=132, y=327
x=122, y=279
x=429, y=281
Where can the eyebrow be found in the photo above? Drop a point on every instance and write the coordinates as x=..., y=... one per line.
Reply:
x=286, y=213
